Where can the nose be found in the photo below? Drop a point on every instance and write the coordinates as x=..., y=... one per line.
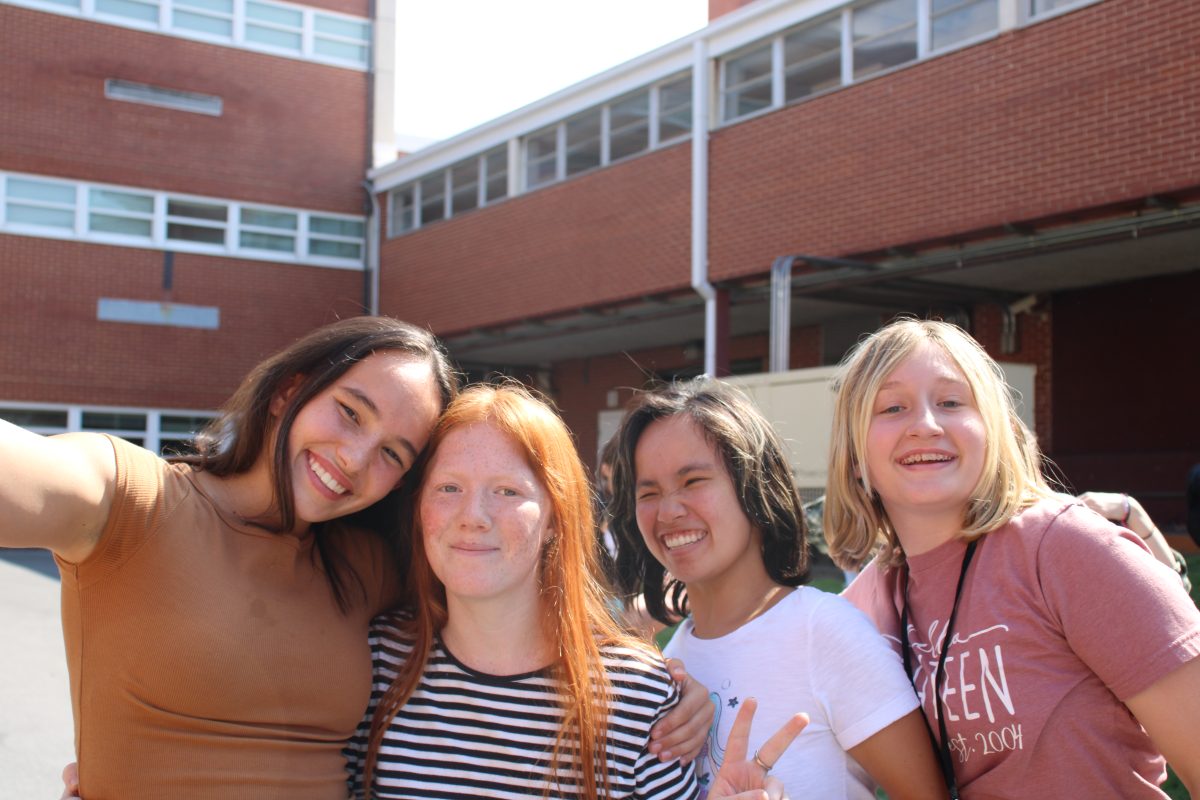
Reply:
x=925, y=422
x=670, y=508
x=353, y=455
x=473, y=512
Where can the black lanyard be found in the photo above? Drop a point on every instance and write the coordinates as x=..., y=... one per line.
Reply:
x=942, y=747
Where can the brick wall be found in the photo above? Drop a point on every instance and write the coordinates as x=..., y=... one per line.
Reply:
x=613, y=234
x=719, y=8
x=56, y=351
x=292, y=133
x=1089, y=108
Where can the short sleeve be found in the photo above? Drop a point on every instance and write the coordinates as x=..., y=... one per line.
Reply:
x=873, y=593
x=856, y=673
x=640, y=683
x=1122, y=612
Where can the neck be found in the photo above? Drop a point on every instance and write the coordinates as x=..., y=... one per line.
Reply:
x=722, y=606
x=919, y=533
x=247, y=497
x=496, y=638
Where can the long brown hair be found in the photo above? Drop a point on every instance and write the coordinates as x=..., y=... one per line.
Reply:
x=233, y=442
x=576, y=614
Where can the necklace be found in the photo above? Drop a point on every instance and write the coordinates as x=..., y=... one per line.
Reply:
x=940, y=746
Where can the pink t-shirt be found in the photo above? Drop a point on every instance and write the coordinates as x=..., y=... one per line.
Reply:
x=1063, y=617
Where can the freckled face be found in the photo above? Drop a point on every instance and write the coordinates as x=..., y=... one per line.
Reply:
x=354, y=441
x=484, y=517
x=925, y=444
x=687, y=506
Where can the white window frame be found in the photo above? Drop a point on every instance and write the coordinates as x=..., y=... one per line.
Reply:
x=152, y=435
x=230, y=245
x=164, y=23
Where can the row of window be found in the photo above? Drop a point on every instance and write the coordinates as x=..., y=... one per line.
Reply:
x=140, y=218
x=821, y=54
x=640, y=121
x=852, y=44
x=161, y=431
x=265, y=25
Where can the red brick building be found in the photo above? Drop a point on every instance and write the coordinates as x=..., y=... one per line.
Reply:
x=180, y=194
x=1029, y=168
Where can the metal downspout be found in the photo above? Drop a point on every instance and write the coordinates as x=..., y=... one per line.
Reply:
x=700, y=97
x=371, y=256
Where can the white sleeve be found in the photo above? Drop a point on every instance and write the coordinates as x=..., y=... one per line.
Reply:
x=859, y=678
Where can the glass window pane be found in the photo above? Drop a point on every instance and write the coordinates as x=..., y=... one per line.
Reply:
x=955, y=21
x=351, y=29
x=400, y=211
x=814, y=76
x=215, y=6
x=747, y=100
x=628, y=142
x=262, y=12
x=120, y=201
x=748, y=83
x=675, y=109
x=334, y=226
x=885, y=35
x=202, y=23
x=113, y=420
x=195, y=233
x=630, y=111
x=269, y=219
x=347, y=250
x=193, y=210
x=583, y=142
x=273, y=38
x=496, y=166
x=433, y=196
x=126, y=226
x=342, y=50
x=37, y=190
x=812, y=41
x=267, y=241
x=146, y=12
x=751, y=66
x=34, y=417
x=813, y=59
x=540, y=157
x=175, y=423
x=883, y=17
x=464, y=180
x=47, y=217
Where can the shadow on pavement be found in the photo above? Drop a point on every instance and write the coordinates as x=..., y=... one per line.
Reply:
x=34, y=560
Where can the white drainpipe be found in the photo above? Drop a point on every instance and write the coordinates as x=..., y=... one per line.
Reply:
x=700, y=97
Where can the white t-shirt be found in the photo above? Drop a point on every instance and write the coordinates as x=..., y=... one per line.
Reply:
x=811, y=652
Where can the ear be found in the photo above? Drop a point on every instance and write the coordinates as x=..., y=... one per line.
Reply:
x=286, y=391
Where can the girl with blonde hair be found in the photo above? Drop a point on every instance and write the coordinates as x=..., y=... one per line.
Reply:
x=999, y=592
x=511, y=677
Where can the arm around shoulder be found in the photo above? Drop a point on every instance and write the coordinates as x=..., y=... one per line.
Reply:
x=55, y=492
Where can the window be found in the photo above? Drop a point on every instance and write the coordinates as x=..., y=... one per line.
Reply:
x=464, y=186
x=675, y=109
x=35, y=418
x=120, y=213
x=746, y=84
x=885, y=35
x=40, y=203
x=541, y=157
x=138, y=218
x=190, y=221
x=812, y=59
x=583, y=141
x=495, y=174
x=341, y=38
x=262, y=229
x=212, y=17
x=402, y=215
x=629, y=126
x=433, y=198
x=954, y=21
x=146, y=12
x=274, y=26
x=336, y=237
x=163, y=431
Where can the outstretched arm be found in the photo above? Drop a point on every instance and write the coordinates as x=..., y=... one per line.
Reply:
x=744, y=778
x=55, y=492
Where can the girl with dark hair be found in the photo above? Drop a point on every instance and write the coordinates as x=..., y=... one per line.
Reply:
x=511, y=678
x=710, y=525
x=215, y=609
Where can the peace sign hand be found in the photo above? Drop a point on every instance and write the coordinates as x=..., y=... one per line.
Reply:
x=747, y=779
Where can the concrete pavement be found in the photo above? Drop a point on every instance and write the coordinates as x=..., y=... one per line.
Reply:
x=36, y=737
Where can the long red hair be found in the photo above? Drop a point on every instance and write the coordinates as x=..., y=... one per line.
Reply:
x=574, y=599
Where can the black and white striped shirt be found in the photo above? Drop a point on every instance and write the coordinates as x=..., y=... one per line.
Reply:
x=465, y=734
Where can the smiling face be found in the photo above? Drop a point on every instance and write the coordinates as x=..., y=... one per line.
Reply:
x=687, y=507
x=925, y=447
x=484, y=517
x=352, y=443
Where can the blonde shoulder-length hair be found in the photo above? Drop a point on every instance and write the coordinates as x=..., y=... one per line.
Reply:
x=856, y=525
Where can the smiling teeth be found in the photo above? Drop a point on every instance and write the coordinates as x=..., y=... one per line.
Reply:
x=674, y=540
x=326, y=478
x=925, y=457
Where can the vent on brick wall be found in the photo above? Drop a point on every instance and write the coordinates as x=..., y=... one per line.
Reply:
x=115, y=89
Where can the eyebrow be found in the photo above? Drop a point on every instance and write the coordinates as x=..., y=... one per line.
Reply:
x=955, y=381
x=698, y=466
x=374, y=409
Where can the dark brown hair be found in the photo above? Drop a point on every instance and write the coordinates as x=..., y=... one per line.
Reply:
x=754, y=458
x=234, y=441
